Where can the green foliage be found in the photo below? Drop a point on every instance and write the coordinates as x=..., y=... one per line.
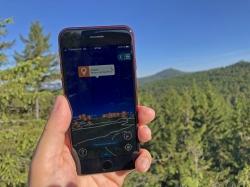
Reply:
x=18, y=85
x=244, y=177
x=17, y=143
x=19, y=130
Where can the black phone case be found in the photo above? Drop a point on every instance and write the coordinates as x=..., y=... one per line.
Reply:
x=115, y=163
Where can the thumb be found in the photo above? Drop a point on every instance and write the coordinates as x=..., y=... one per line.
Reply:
x=52, y=140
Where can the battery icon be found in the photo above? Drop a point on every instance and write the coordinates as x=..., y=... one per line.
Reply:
x=124, y=56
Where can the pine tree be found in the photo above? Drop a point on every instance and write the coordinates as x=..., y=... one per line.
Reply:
x=37, y=46
x=237, y=139
x=216, y=117
x=4, y=44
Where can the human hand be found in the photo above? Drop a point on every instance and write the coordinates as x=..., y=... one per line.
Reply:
x=53, y=165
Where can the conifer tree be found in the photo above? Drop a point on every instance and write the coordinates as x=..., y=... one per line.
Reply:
x=4, y=44
x=37, y=46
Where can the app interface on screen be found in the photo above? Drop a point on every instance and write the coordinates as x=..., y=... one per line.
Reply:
x=99, y=84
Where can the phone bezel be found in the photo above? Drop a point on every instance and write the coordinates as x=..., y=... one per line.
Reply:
x=114, y=27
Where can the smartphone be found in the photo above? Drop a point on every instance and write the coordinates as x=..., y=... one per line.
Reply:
x=99, y=80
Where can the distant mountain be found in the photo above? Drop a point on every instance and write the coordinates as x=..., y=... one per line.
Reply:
x=230, y=80
x=167, y=73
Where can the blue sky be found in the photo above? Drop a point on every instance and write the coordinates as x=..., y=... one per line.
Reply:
x=189, y=35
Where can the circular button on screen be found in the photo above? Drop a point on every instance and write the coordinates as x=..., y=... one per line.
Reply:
x=107, y=164
x=83, y=152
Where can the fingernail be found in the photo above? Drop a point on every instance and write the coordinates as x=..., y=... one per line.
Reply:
x=144, y=163
x=152, y=111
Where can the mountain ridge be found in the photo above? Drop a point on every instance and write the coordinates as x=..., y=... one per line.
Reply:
x=172, y=72
x=166, y=73
x=228, y=80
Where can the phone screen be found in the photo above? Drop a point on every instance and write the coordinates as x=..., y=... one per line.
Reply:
x=99, y=82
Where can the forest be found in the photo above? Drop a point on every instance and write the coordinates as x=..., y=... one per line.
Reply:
x=201, y=134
